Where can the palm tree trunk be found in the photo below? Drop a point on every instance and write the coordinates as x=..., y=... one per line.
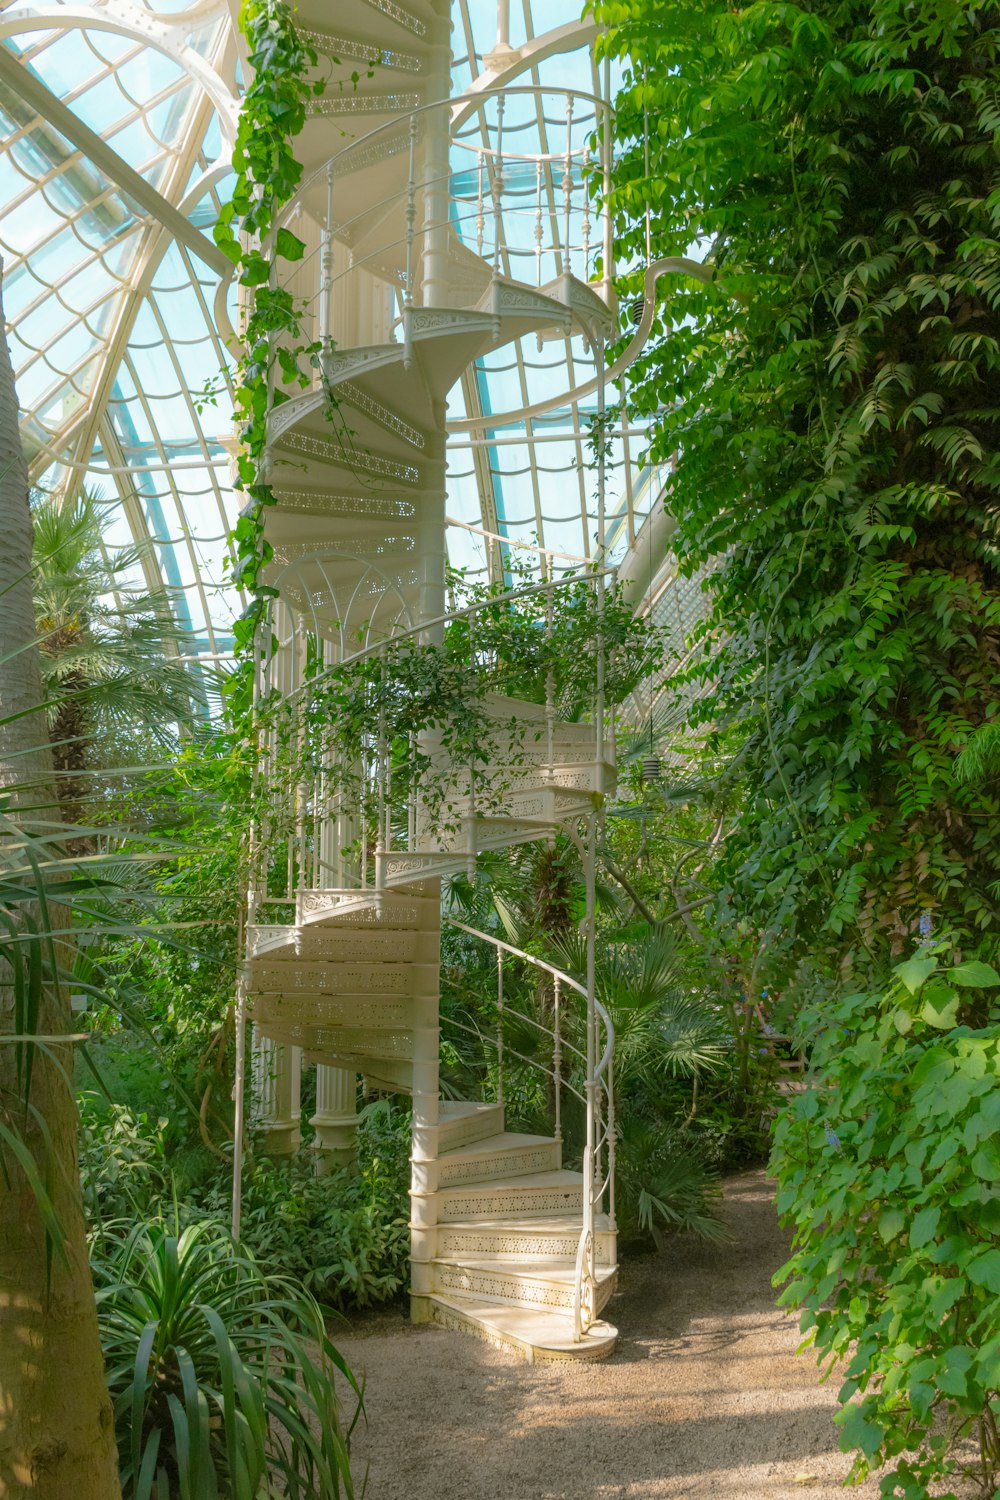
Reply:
x=57, y=1439
x=69, y=741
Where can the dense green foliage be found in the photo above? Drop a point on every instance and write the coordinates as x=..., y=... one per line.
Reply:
x=892, y=1173
x=831, y=400
x=175, y=983
x=684, y=1108
x=425, y=706
x=116, y=686
x=223, y=1380
x=344, y=1237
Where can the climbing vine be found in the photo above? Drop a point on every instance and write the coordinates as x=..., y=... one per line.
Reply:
x=831, y=402
x=420, y=710
x=274, y=351
x=891, y=1172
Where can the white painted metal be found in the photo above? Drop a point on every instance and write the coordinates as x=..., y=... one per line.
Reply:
x=344, y=910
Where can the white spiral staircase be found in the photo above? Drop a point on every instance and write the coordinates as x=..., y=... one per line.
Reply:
x=343, y=933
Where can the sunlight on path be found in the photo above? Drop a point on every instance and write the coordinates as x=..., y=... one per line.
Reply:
x=705, y=1398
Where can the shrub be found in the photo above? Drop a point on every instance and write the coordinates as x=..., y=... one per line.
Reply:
x=122, y=1160
x=222, y=1379
x=889, y=1170
x=664, y=1185
x=343, y=1237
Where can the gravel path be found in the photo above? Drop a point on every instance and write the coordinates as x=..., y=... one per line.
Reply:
x=705, y=1397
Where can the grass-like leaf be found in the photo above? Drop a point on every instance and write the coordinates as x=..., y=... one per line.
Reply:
x=223, y=1379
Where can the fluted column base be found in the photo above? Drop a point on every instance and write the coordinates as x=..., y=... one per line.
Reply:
x=336, y=1119
x=277, y=1075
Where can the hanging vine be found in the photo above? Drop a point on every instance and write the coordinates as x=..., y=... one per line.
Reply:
x=274, y=351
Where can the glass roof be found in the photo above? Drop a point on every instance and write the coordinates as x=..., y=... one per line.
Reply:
x=114, y=128
x=534, y=481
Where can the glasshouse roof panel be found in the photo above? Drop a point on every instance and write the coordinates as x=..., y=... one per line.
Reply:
x=116, y=137
x=110, y=130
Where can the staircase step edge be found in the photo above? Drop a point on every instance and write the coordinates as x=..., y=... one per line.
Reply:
x=485, y=1321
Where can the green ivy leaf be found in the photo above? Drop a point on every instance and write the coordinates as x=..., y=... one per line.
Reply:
x=924, y=1227
x=986, y=1162
x=858, y=1432
x=984, y=1270
x=915, y=970
x=256, y=271
x=988, y=1366
x=954, y=1376
x=890, y=1223
x=973, y=975
x=941, y=1011
x=289, y=246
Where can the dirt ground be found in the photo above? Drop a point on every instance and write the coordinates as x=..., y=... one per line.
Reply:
x=704, y=1398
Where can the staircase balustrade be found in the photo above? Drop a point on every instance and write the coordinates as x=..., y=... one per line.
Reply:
x=596, y=1097
x=417, y=812
x=411, y=804
x=397, y=739
x=502, y=221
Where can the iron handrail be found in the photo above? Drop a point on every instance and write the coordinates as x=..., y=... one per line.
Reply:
x=374, y=648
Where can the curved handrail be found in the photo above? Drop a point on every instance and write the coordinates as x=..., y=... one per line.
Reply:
x=508, y=597
x=609, y=1047
x=532, y=1062
x=563, y=977
x=677, y=265
x=450, y=103
x=584, y=1277
x=568, y=37
x=539, y=963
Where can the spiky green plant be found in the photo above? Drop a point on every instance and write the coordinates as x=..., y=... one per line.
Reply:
x=223, y=1379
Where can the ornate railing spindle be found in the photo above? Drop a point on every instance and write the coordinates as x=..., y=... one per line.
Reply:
x=496, y=191
x=585, y=222
x=500, y=1027
x=470, y=830
x=567, y=186
x=557, y=1055
x=539, y=232
x=480, y=205
x=380, y=776
x=411, y=221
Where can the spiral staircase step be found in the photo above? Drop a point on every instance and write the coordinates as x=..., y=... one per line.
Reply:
x=535, y=1335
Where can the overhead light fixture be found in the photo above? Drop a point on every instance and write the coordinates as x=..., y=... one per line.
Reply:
x=652, y=769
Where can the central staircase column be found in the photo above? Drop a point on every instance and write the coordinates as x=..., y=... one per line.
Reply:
x=425, y=1144
x=435, y=288
x=277, y=1075
x=336, y=1119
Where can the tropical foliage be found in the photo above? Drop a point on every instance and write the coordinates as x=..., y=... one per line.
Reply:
x=115, y=682
x=828, y=402
x=272, y=113
x=223, y=1380
x=892, y=1172
x=681, y=1112
x=343, y=1236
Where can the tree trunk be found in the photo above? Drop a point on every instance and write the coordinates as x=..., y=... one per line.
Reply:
x=57, y=1439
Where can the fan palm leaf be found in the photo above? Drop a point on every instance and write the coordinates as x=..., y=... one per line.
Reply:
x=111, y=647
